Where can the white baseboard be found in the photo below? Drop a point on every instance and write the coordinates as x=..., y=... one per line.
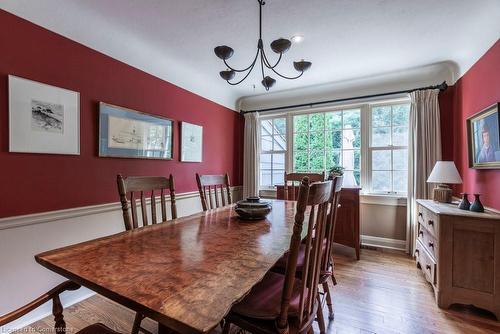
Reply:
x=368, y=240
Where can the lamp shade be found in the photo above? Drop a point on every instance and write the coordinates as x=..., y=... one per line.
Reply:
x=445, y=172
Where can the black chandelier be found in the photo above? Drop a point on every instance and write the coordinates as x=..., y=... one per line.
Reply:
x=279, y=46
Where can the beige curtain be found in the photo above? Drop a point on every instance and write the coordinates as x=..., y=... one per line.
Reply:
x=251, y=149
x=424, y=149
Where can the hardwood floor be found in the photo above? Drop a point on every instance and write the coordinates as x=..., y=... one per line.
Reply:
x=381, y=293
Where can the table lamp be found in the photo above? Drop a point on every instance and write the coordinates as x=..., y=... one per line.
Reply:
x=444, y=173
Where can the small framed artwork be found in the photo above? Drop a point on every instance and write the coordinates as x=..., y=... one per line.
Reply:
x=126, y=133
x=43, y=118
x=483, y=136
x=191, y=142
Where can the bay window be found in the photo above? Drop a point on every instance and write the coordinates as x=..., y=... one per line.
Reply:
x=369, y=140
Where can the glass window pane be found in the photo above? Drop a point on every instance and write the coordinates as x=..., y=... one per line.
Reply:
x=332, y=159
x=381, y=160
x=333, y=120
x=381, y=137
x=357, y=159
x=316, y=160
x=280, y=125
x=300, y=141
x=279, y=143
x=334, y=139
x=400, y=159
x=265, y=178
x=300, y=161
x=381, y=181
x=350, y=178
x=278, y=177
x=300, y=123
x=352, y=118
x=317, y=140
x=400, y=136
x=317, y=122
x=400, y=181
x=400, y=114
x=357, y=176
x=265, y=161
x=351, y=139
x=266, y=127
x=279, y=161
x=266, y=143
x=348, y=159
x=381, y=116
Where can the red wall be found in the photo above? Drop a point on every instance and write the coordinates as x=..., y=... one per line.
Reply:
x=40, y=182
x=476, y=90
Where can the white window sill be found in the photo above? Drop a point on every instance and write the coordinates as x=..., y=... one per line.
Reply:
x=366, y=198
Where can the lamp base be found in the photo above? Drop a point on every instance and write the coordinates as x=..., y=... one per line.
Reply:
x=442, y=193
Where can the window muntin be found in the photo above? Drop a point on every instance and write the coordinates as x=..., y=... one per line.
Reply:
x=389, y=148
x=273, y=151
x=323, y=140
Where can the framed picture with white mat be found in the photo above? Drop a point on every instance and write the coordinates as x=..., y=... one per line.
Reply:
x=43, y=118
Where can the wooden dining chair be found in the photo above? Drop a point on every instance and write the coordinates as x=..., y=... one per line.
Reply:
x=327, y=265
x=210, y=187
x=283, y=303
x=57, y=311
x=291, y=179
x=139, y=187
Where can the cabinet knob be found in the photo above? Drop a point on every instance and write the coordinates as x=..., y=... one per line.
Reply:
x=430, y=222
x=420, y=214
x=421, y=233
x=431, y=244
x=417, y=252
x=428, y=267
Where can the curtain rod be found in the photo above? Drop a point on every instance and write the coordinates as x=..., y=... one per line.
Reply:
x=441, y=87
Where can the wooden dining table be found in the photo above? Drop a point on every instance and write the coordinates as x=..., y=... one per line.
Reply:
x=184, y=273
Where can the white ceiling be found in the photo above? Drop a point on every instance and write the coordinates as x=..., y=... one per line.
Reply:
x=344, y=39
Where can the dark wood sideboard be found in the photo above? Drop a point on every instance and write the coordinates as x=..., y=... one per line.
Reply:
x=347, y=230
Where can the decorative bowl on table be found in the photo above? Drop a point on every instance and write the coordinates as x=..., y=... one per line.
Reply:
x=253, y=208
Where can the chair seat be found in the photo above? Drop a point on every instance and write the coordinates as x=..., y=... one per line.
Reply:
x=97, y=328
x=280, y=266
x=264, y=300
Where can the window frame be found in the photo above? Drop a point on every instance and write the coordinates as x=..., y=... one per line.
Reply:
x=370, y=149
x=285, y=152
x=365, y=132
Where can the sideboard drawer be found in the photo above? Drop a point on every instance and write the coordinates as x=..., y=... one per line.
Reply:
x=426, y=263
x=428, y=241
x=429, y=220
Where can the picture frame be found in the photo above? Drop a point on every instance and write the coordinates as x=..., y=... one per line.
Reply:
x=127, y=133
x=43, y=118
x=483, y=136
x=191, y=142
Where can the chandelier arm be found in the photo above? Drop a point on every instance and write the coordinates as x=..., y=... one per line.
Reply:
x=245, y=69
x=268, y=64
x=286, y=77
x=246, y=75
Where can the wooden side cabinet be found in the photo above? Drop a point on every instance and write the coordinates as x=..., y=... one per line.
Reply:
x=459, y=254
x=347, y=228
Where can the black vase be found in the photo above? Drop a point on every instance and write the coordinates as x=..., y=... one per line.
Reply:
x=477, y=206
x=464, y=203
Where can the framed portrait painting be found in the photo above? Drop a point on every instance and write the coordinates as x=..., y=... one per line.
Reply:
x=483, y=134
x=126, y=133
x=191, y=142
x=43, y=118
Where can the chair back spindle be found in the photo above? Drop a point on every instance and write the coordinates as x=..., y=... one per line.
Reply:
x=291, y=179
x=214, y=190
x=138, y=188
x=317, y=196
x=332, y=219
